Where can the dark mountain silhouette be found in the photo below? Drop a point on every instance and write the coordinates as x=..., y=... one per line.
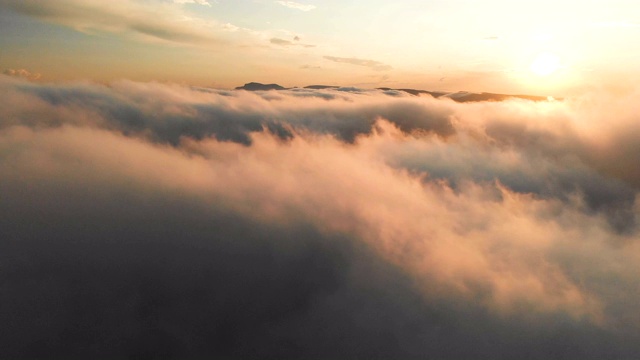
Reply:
x=254, y=86
x=320, y=87
x=416, y=92
x=461, y=96
x=471, y=97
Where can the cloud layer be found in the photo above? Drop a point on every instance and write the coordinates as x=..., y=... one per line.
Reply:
x=143, y=219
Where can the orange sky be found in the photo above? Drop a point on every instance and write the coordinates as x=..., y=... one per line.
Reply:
x=437, y=45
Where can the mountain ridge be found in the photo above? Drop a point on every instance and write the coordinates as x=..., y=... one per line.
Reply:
x=460, y=96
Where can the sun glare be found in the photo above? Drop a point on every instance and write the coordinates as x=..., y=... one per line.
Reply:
x=545, y=64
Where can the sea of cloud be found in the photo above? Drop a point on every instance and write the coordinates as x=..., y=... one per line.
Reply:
x=148, y=220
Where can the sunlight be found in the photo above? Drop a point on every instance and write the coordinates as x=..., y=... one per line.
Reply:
x=545, y=64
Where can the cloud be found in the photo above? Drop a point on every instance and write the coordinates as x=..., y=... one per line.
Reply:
x=296, y=5
x=201, y=2
x=310, y=67
x=375, y=65
x=153, y=220
x=22, y=73
x=146, y=21
x=283, y=42
x=278, y=41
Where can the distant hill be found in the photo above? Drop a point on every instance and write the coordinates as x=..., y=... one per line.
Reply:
x=254, y=86
x=473, y=97
x=465, y=96
x=417, y=92
x=321, y=87
x=461, y=96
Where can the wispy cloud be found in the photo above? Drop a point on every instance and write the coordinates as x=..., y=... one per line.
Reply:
x=375, y=65
x=143, y=20
x=278, y=41
x=201, y=2
x=296, y=5
x=23, y=73
x=283, y=42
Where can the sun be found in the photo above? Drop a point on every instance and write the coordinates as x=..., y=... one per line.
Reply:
x=545, y=64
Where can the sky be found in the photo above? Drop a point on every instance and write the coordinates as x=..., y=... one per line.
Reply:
x=453, y=45
x=148, y=210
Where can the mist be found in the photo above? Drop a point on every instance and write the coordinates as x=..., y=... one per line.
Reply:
x=149, y=220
